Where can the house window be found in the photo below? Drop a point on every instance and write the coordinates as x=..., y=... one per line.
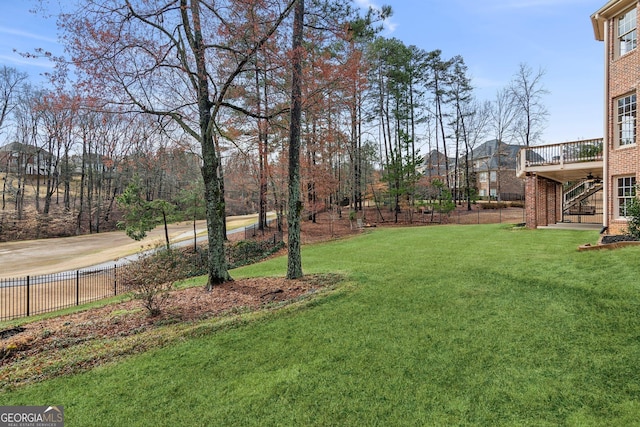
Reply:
x=482, y=176
x=626, y=193
x=626, y=120
x=493, y=176
x=627, y=34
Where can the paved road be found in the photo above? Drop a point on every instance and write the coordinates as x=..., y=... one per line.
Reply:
x=46, y=256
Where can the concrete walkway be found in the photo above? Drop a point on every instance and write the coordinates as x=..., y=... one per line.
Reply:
x=572, y=226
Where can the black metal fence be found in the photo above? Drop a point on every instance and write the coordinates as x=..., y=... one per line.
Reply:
x=253, y=231
x=33, y=295
x=491, y=214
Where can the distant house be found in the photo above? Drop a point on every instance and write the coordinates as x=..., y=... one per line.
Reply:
x=494, y=165
x=96, y=162
x=434, y=165
x=492, y=170
x=28, y=159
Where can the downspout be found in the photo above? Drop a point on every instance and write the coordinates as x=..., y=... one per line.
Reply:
x=605, y=139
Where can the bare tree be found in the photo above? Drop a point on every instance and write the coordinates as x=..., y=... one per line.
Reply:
x=10, y=85
x=527, y=91
x=503, y=117
x=26, y=121
x=475, y=129
x=176, y=60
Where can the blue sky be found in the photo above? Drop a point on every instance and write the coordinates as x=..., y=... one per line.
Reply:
x=24, y=32
x=493, y=37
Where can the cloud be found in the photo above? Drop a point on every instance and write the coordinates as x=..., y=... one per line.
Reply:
x=487, y=83
x=25, y=34
x=365, y=4
x=389, y=25
x=18, y=60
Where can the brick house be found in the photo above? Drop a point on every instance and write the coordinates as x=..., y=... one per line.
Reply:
x=615, y=159
x=494, y=166
x=615, y=24
x=563, y=182
x=434, y=164
x=16, y=157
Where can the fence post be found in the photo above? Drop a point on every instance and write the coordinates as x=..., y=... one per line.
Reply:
x=115, y=279
x=28, y=296
x=77, y=287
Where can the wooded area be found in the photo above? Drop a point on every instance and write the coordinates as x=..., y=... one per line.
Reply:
x=203, y=105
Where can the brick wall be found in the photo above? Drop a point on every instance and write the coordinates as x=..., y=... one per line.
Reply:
x=623, y=79
x=530, y=201
x=543, y=201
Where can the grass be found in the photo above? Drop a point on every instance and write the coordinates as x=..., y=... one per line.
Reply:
x=460, y=325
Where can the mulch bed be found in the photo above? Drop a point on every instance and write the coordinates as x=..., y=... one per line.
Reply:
x=128, y=318
x=41, y=343
x=617, y=238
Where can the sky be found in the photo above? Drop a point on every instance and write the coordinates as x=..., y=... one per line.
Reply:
x=493, y=36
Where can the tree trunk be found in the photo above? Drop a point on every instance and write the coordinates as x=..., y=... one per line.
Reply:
x=217, y=263
x=82, y=184
x=211, y=169
x=294, y=259
x=166, y=230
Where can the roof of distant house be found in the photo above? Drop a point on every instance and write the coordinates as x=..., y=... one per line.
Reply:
x=487, y=154
x=18, y=147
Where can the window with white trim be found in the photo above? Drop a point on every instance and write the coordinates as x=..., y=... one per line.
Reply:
x=626, y=120
x=626, y=193
x=627, y=32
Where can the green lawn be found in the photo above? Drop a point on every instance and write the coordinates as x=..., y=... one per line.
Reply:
x=455, y=325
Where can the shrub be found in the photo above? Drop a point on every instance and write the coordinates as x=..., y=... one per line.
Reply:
x=250, y=251
x=444, y=203
x=151, y=278
x=633, y=224
x=494, y=205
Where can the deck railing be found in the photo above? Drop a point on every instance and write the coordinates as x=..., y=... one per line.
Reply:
x=588, y=150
